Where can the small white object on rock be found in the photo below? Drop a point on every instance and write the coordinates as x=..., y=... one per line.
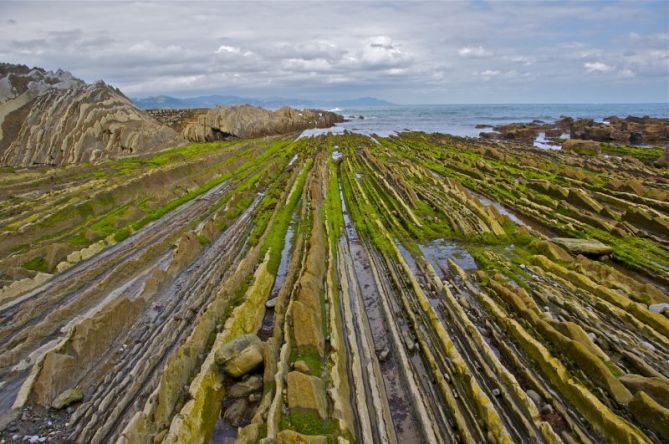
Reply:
x=648, y=345
x=659, y=308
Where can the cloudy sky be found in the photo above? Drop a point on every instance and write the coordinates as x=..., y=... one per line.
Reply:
x=406, y=52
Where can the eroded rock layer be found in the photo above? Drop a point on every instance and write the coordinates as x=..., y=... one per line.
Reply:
x=53, y=118
x=247, y=121
x=417, y=288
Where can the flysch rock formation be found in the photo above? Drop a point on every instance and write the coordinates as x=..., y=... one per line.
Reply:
x=54, y=118
x=206, y=125
x=413, y=288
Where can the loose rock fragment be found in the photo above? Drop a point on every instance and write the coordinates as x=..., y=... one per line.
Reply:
x=240, y=356
x=68, y=397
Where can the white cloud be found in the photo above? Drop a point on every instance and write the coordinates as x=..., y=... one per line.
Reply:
x=473, y=52
x=626, y=73
x=390, y=50
x=597, y=68
x=228, y=49
x=522, y=60
x=488, y=74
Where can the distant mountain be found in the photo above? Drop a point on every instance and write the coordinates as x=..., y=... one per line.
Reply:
x=270, y=102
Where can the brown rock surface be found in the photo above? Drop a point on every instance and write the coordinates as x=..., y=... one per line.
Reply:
x=306, y=392
x=241, y=355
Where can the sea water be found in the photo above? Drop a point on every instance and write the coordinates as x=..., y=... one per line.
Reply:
x=461, y=120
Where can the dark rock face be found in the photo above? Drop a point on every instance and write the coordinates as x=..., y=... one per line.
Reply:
x=252, y=121
x=54, y=118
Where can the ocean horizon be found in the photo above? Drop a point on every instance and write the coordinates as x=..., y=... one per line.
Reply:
x=462, y=119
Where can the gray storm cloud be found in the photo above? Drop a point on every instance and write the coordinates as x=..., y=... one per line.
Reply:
x=409, y=52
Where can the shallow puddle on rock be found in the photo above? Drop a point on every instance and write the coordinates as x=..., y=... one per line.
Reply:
x=285, y=255
x=438, y=251
x=407, y=257
x=224, y=433
x=268, y=320
x=501, y=209
x=543, y=143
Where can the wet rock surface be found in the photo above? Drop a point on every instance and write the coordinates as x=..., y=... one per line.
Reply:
x=416, y=288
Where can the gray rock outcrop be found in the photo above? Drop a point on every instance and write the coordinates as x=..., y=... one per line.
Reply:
x=252, y=121
x=54, y=118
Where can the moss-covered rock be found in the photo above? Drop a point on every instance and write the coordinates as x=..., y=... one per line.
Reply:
x=656, y=387
x=240, y=355
x=307, y=392
x=650, y=413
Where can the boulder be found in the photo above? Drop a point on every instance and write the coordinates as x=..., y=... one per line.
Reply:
x=307, y=392
x=248, y=434
x=245, y=387
x=663, y=161
x=581, y=199
x=240, y=355
x=551, y=250
x=236, y=412
x=520, y=132
x=583, y=246
x=648, y=220
x=68, y=397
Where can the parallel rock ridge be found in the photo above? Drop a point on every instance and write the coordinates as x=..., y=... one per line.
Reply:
x=413, y=288
x=53, y=118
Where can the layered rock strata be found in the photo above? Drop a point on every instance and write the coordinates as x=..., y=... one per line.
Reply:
x=411, y=288
x=52, y=118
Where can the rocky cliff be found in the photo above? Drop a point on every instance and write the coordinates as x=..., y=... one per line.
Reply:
x=55, y=118
x=251, y=121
